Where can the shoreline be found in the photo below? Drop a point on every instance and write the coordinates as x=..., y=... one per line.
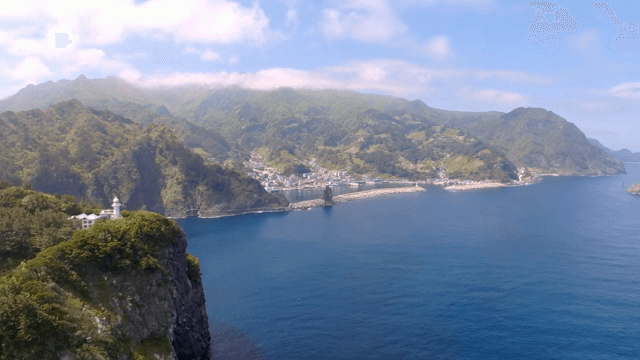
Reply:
x=478, y=186
x=308, y=204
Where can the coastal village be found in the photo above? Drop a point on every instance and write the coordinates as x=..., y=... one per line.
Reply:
x=318, y=177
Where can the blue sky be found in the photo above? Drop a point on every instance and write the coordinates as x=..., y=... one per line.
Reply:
x=579, y=61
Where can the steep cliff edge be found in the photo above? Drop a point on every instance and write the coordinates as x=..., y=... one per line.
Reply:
x=122, y=289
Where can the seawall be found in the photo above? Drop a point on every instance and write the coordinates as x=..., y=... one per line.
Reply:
x=355, y=196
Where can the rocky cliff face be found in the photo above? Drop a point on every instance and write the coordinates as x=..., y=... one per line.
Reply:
x=162, y=313
x=122, y=289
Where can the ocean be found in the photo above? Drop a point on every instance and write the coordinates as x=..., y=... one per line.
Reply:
x=545, y=271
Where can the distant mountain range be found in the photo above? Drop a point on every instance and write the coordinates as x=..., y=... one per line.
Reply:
x=365, y=134
x=622, y=155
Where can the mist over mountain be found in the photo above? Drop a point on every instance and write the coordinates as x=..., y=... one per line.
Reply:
x=361, y=133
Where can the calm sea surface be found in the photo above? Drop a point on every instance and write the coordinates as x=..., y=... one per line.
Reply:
x=547, y=271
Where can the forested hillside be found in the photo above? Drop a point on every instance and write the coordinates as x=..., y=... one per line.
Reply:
x=122, y=289
x=539, y=139
x=96, y=154
x=361, y=133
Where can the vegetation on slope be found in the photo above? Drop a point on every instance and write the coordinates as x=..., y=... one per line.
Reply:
x=95, y=154
x=61, y=290
x=539, y=139
x=225, y=125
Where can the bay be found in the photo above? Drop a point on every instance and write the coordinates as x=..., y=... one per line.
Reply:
x=546, y=271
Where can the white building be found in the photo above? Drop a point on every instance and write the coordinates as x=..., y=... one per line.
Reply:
x=109, y=214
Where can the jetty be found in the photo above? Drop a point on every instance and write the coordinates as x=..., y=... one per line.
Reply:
x=355, y=196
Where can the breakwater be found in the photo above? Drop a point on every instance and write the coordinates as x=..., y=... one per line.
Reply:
x=355, y=196
x=486, y=185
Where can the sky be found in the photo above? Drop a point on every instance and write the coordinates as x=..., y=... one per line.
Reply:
x=579, y=59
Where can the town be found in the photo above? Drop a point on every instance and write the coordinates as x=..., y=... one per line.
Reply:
x=315, y=177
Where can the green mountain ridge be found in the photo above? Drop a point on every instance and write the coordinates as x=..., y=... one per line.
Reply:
x=539, y=139
x=96, y=154
x=341, y=129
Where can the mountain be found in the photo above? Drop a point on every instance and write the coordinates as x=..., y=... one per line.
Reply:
x=122, y=289
x=96, y=154
x=344, y=130
x=539, y=139
x=92, y=92
x=362, y=133
x=624, y=155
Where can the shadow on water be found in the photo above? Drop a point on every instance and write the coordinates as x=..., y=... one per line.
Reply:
x=195, y=227
x=327, y=210
x=230, y=343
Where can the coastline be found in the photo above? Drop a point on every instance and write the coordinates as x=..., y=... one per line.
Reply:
x=477, y=186
x=308, y=204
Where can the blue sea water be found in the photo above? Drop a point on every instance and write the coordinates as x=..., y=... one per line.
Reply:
x=546, y=271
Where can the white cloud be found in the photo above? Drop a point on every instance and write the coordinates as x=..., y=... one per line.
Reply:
x=368, y=21
x=292, y=17
x=109, y=22
x=470, y=3
x=394, y=77
x=205, y=55
x=493, y=96
x=626, y=90
x=588, y=42
x=209, y=55
x=29, y=41
x=379, y=22
x=30, y=69
x=438, y=47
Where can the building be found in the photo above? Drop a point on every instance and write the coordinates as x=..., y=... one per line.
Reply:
x=108, y=214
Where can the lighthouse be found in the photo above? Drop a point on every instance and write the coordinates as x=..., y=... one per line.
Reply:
x=116, y=208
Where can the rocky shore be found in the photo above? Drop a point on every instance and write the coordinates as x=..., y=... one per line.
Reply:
x=476, y=186
x=634, y=189
x=355, y=196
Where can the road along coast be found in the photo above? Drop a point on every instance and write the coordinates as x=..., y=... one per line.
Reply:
x=355, y=196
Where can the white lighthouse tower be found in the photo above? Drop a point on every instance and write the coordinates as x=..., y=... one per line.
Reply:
x=116, y=208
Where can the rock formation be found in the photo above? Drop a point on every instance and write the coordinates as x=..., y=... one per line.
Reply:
x=327, y=196
x=634, y=189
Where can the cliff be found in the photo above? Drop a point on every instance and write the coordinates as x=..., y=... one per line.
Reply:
x=122, y=289
x=96, y=155
x=539, y=139
x=634, y=189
